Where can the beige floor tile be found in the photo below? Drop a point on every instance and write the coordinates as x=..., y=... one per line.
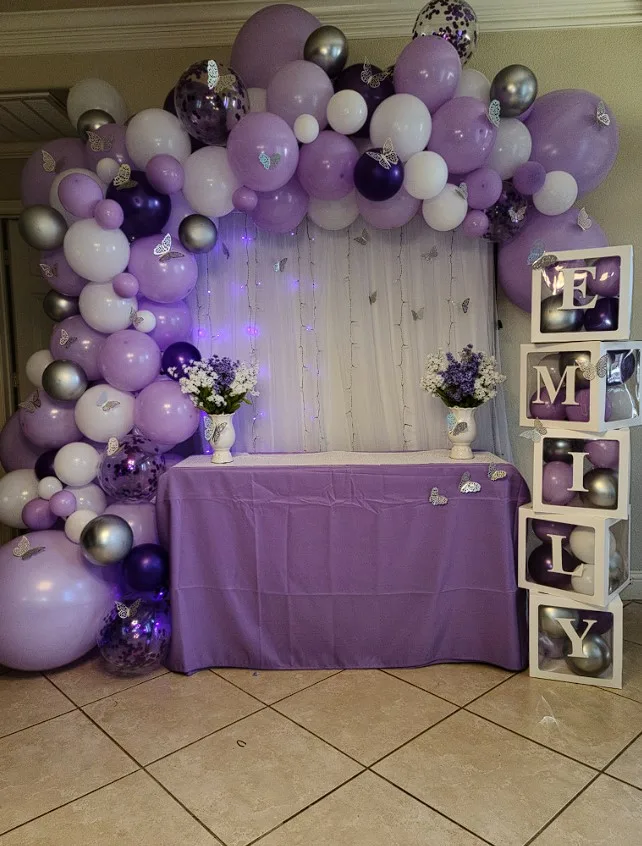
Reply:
x=608, y=813
x=365, y=713
x=633, y=622
x=45, y=766
x=458, y=683
x=501, y=786
x=581, y=721
x=133, y=810
x=272, y=685
x=247, y=778
x=89, y=679
x=169, y=712
x=369, y=812
x=628, y=766
x=632, y=672
x=27, y=699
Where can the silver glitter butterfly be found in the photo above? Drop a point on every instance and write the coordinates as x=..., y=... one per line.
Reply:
x=455, y=428
x=164, y=250
x=494, y=474
x=466, y=484
x=363, y=238
x=431, y=254
x=517, y=215
x=24, y=551
x=465, y=305
x=49, y=164
x=419, y=314
x=536, y=433
x=31, y=404
x=373, y=297
x=225, y=249
x=387, y=157
x=279, y=266
x=436, y=498
x=590, y=371
x=125, y=611
x=538, y=258
x=213, y=431
x=602, y=117
x=134, y=317
x=98, y=144
x=583, y=220
x=462, y=190
x=65, y=340
x=123, y=178
x=112, y=446
x=212, y=74
x=49, y=271
x=105, y=403
x=372, y=80
x=494, y=112
x=269, y=161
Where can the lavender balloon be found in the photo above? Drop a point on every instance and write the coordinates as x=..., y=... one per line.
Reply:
x=210, y=99
x=603, y=453
x=162, y=277
x=63, y=503
x=507, y=216
x=74, y=340
x=165, y=174
x=462, y=134
x=145, y=210
x=245, y=199
x=44, y=165
x=476, y=224
x=484, y=187
x=129, y=360
x=372, y=83
x=163, y=413
x=529, y=178
x=300, y=88
x=37, y=515
x=55, y=269
x=48, y=423
x=429, y=68
x=180, y=209
x=547, y=409
x=173, y=321
x=79, y=194
x=326, y=166
x=125, y=285
x=130, y=475
x=281, y=210
x=262, y=151
x=177, y=356
x=108, y=142
x=389, y=214
x=141, y=517
x=373, y=180
x=557, y=479
x=16, y=451
x=138, y=641
x=582, y=411
x=109, y=214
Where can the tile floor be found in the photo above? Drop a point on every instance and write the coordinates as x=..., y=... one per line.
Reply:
x=452, y=755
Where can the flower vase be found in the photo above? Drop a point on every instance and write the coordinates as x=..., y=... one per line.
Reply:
x=462, y=431
x=219, y=431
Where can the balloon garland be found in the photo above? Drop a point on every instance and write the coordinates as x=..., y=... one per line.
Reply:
x=119, y=214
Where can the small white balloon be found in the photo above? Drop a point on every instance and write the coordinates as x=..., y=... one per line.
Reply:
x=103, y=412
x=76, y=463
x=210, y=182
x=334, y=214
x=36, y=365
x=473, y=83
x=622, y=403
x=258, y=99
x=76, y=522
x=405, y=120
x=102, y=308
x=425, y=175
x=347, y=111
x=94, y=253
x=446, y=211
x=153, y=132
x=106, y=169
x=90, y=497
x=582, y=544
x=54, y=200
x=306, y=129
x=95, y=94
x=584, y=581
x=558, y=193
x=145, y=321
x=48, y=486
x=16, y=489
x=512, y=147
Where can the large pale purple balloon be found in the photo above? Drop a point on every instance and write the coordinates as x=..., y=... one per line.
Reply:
x=73, y=340
x=163, y=413
x=163, y=279
x=44, y=165
x=300, y=88
x=388, y=214
x=173, y=321
x=281, y=210
x=326, y=166
x=129, y=360
x=51, y=607
x=16, y=451
x=51, y=424
x=429, y=68
x=268, y=40
x=55, y=269
x=567, y=135
x=262, y=151
x=555, y=233
x=462, y=134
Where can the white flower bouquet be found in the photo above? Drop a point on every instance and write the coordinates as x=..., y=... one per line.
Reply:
x=466, y=381
x=219, y=385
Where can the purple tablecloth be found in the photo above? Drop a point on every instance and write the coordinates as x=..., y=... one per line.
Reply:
x=341, y=566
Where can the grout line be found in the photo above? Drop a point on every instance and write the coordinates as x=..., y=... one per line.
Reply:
x=622, y=781
x=438, y=695
x=318, y=737
x=620, y=753
x=416, y=737
x=562, y=809
x=494, y=687
x=113, y=693
x=184, y=807
x=269, y=704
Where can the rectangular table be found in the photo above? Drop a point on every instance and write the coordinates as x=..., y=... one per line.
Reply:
x=339, y=560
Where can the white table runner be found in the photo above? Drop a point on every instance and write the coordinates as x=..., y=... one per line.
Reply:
x=323, y=459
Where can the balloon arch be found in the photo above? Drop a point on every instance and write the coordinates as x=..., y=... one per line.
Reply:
x=121, y=212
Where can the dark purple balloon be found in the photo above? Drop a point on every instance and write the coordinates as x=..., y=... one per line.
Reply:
x=147, y=567
x=350, y=78
x=603, y=624
x=507, y=216
x=375, y=182
x=540, y=564
x=177, y=356
x=622, y=366
x=606, y=281
x=45, y=464
x=603, y=317
x=544, y=528
x=146, y=210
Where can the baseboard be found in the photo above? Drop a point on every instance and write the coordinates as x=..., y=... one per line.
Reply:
x=634, y=590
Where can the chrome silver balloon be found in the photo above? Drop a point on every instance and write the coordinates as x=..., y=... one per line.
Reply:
x=515, y=87
x=559, y=449
x=106, y=539
x=596, y=656
x=555, y=319
x=42, y=227
x=58, y=306
x=197, y=233
x=91, y=121
x=64, y=380
x=582, y=359
x=601, y=484
x=549, y=616
x=327, y=47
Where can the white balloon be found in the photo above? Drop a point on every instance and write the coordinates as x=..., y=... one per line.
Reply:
x=258, y=99
x=89, y=496
x=210, y=182
x=334, y=214
x=106, y=169
x=145, y=321
x=100, y=423
x=76, y=463
x=48, y=486
x=621, y=402
x=558, y=193
x=582, y=544
x=102, y=308
x=617, y=570
x=155, y=131
x=584, y=580
x=16, y=489
x=94, y=253
x=347, y=111
x=306, y=129
x=425, y=175
x=473, y=83
x=445, y=211
x=95, y=94
x=405, y=120
x=36, y=365
x=54, y=200
x=76, y=522
x=512, y=147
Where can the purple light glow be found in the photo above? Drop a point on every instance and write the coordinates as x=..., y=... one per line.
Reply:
x=252, y=330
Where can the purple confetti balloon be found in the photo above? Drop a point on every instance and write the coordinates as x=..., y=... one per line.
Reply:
x=209, y=100
x=326, y=166
x=130, y=475
x=462, y=134
x=138, y=641
x=281, y=210
x=374, y=181
x=374, y=92
x=145, y=210
x=508, y=215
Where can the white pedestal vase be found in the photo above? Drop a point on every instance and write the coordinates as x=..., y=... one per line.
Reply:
x=219, y=431
x=462, y=431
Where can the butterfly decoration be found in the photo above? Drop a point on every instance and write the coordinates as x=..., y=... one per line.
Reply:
x=123, y=178
x=536, y=433
x=431, y=254
x=213, y=431
x=225, y=249
x=517, y=215
x=436, y=498
x=387, y=157
x=494, y=112
x=363, y=238
x=465, y=305
x=418, y=314
x=212, y=74
x=98, y=144
x=583, y=220
x=269, y=161
x=49, y=164
x=134, y=317
x=65, y=340
x=49, y=271
x=602, y=117
x=466, y=484
x=372, y=80
x=112, y=446
x=373, y=298
x=125, y=611
x=590, y=371
x=105, y=403
x=164, y=250
x=538, y=258
x=24, y=551
x=494, y=474
x=279, y=266
x=462, y=190
x=31, y=404
x=455, y=428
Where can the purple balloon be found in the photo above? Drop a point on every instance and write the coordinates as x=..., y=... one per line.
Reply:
x=350, y=79
x=141, y=517
x=163, y=413
x=508, y=215
x=557, y=479
x=567, y=136
x=162, y=281
x=529, y=178
x=130, y=475
x=429, y=68
x=550, y=648
x=375, y=182
x=389, y=214
x=475, y=224
x=56, y=271
x=581, y=412
x=208, y=112
x=16, y=452
x=146, y=567
x=544, y=528
x=326, y=166
x=146, y=211
x=109, y=214
x=173, y=321
x=125, y=285
x=138, y=643
x=79, y=194
x=258, y=135
x=603, y=621
x=540, y=565
x=268, y=40
x=72, y=339
x=111, y=145
x=63, y=503
x=129, y=360
x=180, y=209
x=300, y=88
x=462, y=133
x=52, y=424
x=484, y=187
x=556, y=233
x=281, y=210
x=603, y=453
x=177, y=356
x=547, y=410
x=603, y=317
x=37, y=515
x=45, y=464
x=606, y=281
x=245, y=199
x=39, y=173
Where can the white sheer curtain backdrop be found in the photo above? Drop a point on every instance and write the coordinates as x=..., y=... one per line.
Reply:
x=340, y=333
